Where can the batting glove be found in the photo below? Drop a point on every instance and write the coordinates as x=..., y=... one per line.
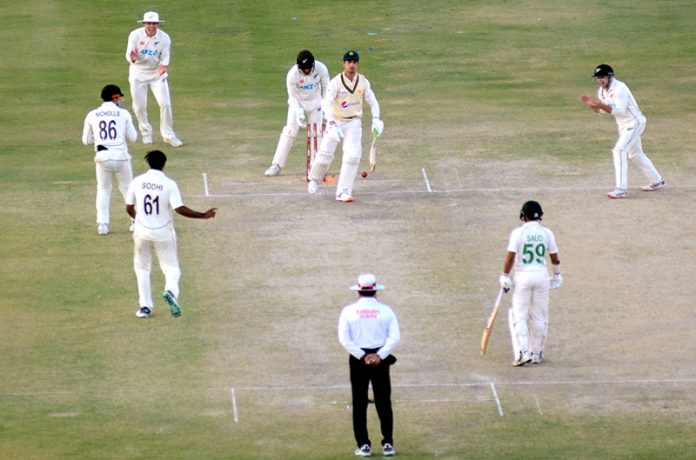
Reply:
x=556, y=281
x=377, y=127
x=506, y=282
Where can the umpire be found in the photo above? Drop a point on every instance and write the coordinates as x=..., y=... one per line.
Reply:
x=369, y=331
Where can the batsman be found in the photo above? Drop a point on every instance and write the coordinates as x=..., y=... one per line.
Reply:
x=343, y=109
x=528, y=247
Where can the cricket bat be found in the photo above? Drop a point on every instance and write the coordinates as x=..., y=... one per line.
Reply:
x=373, y=152
x=491, y=322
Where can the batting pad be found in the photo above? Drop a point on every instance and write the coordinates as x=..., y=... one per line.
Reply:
x=349, y=170
x=321, y=165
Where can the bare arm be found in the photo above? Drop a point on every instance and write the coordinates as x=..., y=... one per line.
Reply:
x=188, y=212
x=509, y=262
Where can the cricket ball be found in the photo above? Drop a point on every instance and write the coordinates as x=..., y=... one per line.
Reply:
x=364, y=174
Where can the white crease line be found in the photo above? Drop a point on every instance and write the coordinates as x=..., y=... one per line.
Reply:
x=538, y=406
x=497, y=400
x=234, y=406
x=205, y=184
x=427, y=182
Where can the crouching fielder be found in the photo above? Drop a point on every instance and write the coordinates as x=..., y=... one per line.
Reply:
x=528, y=247
x=306, y=83
x=343, y=109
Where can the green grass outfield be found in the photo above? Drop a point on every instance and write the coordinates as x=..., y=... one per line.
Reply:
x=474, y=94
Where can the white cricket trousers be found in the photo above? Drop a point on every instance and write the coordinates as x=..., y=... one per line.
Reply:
x=629, y=145
x=142, y=263
x=106, y=170
x=139, y=84
x=290, y=131
x=352, y=152
x=530, y=311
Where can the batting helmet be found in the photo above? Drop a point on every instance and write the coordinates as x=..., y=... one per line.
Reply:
x=305, y=60
x=531, y=210
x=603, y=70
x=109, y=91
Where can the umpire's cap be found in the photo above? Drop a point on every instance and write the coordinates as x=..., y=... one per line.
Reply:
x=367, y=283
x=603, y=70
x=531, y=210
x=351, y=55
x=305, y=60
x=109, y=91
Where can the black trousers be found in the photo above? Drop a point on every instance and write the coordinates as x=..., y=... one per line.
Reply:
x=360, y=377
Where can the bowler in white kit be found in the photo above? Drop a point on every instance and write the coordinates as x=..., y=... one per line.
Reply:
x=148, y=52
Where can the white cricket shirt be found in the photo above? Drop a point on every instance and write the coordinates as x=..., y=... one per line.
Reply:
x=155, y=196
x=307, y=91
x=110, y=126
x=623, y=104
x=152, y=51
x=344, y=98
x=368, y=323
x=532, y=243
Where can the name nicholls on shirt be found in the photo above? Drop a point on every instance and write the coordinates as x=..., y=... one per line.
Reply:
x=107, y=113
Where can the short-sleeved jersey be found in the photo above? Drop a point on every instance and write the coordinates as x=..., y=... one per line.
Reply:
x=307, y=91
x=623, y=105
x=109, y=126
x=152, y=51
x=155, y=196
x=532, y=242
x=368, y=323
x=344, y=98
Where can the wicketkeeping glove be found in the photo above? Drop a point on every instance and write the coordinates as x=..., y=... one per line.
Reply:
x=556, y=281
x=301, y=117
x=506, y=282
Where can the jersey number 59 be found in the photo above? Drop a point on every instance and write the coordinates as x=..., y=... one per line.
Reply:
x=533, y=252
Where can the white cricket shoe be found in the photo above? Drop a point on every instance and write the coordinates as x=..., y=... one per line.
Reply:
x=655, y=186
x=537, y=358
x=388, y=450
x=273, y=170
x=523, y=359
x=143, y=312
x=174, y=142
x=313, y=186
x=147, y=139
x=132, y=226
x=363, y=451
x=617, y=194
x=103, y=229
x=344, y=197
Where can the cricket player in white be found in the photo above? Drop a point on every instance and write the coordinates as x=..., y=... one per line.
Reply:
x=343, y=109
x=150, y=200
x=306, y=84
x=108, y=127
x=528, y=247
x=148, y=52
x=613, y=96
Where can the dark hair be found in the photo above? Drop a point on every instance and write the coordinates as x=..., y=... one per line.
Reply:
x=367, y=293
x=156, y=159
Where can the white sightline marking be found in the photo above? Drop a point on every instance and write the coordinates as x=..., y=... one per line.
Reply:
x=235, y=415
x=497, y=400
x=205, y=184
x=427, y=182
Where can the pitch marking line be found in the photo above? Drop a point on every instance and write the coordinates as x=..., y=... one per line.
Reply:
x=235, y=415
x=497, y=400
x=427, y=182
x=538, y=406
x=205, y=184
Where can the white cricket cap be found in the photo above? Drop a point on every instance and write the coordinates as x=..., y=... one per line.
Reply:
x=150, y=16
x=367, y=282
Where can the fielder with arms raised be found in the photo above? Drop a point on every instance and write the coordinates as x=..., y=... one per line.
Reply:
x=109, y=127
x=306, y=83
x=343, y=109
x=151, y=198
x=528, y=247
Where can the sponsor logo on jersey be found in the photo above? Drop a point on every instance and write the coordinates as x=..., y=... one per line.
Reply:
x=308, y=87
x=346, y=104
x=368, y=313
x=145, y=52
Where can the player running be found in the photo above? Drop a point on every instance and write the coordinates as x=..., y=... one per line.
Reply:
x=306, y=84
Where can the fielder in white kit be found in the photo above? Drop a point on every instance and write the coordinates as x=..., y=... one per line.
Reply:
x=528, y=247
x=148, y=53
x=306, y=84
x=151, y=198
x=613, y=96
x=108, y=128
x=343, y=109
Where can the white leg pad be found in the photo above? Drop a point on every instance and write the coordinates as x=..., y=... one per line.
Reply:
x=283, y=149
x=349, y=170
